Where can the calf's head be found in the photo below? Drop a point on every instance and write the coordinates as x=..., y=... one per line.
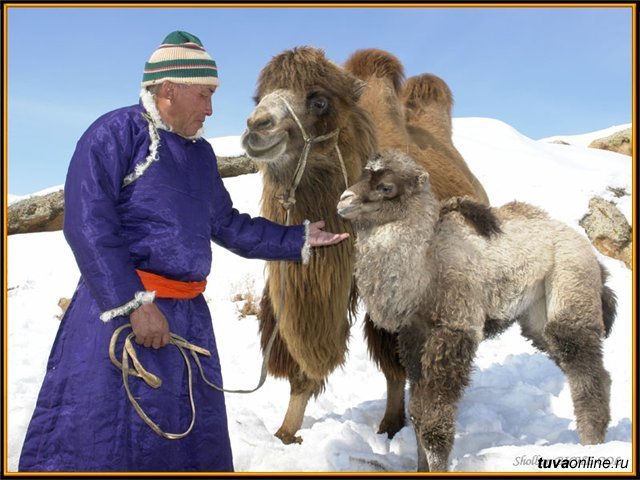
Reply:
x=382, y=192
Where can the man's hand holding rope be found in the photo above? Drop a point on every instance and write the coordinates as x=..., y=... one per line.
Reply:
x=150, y=326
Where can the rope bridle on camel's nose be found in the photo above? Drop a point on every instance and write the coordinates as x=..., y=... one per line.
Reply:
x=288, y=199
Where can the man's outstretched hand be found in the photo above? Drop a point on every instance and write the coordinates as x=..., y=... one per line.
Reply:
x=320, y=238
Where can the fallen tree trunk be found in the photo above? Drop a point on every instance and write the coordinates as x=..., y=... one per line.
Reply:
x=45, y=213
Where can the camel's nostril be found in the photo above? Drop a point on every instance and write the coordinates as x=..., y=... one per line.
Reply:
x=261, y=123
x=347, y=194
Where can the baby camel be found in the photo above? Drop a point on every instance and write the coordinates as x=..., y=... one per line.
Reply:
x=445, y=276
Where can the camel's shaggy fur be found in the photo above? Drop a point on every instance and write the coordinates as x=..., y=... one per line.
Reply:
x=414, y=117
x=319, y=298
x=444, y=276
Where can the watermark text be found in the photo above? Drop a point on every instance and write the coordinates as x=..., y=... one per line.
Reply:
x=585, y=462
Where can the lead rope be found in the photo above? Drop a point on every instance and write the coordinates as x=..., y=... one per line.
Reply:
x=128, y=352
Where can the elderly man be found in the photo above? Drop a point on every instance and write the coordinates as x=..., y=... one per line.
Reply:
x=143, y=200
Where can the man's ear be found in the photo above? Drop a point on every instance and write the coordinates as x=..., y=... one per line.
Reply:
x=165, y=90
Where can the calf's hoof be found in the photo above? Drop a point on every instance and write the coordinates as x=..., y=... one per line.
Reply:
x=391, y=426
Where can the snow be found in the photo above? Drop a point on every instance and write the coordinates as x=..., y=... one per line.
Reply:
x=586, y=138
x=227, y=146
x=516, y=412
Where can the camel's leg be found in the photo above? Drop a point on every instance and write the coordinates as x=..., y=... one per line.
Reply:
x=384, y=351
x=281, y=364
x=394, y=419
x=447, y=359
x=302, y=388
x=578, y=352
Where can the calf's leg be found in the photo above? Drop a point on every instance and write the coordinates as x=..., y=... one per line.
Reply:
x=447, y=360
x=578, y=352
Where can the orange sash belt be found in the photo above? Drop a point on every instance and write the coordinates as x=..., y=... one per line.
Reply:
x=166, y=288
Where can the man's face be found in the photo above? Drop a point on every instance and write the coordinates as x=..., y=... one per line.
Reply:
x=190, y=106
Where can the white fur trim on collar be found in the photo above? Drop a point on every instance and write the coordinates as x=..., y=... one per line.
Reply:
x=149, y=104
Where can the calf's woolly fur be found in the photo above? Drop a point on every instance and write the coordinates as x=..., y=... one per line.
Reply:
x=415, y=117
x=445, y=275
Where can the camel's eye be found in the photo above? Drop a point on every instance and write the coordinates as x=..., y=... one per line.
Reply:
x=318, y=104
x=386, y=188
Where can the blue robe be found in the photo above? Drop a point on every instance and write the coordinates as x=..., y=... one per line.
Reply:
x=162, y=223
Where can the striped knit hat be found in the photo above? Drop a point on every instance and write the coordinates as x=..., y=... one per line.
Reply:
x=181, y=59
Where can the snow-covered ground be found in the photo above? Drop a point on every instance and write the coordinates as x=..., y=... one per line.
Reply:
x=585, y=139
x=516, y=413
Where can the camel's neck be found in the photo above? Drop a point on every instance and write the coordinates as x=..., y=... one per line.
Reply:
x=317, y=193
x=393, y=264
x=412, y=233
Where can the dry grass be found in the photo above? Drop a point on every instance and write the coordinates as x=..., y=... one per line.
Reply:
x=247, y=304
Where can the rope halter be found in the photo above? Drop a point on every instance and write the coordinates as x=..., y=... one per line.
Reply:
x=288, y=199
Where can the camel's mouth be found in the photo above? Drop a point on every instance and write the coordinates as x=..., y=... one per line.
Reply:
x=348, y=211
x=353, y=208
x=264, y=148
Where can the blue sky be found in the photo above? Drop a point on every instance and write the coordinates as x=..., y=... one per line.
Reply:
x=545, y=71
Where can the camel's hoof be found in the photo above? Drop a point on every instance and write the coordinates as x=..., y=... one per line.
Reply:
x=391, y=426
x=287, y=438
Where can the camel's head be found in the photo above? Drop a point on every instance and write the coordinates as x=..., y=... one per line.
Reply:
x=299, y=93
x=384, y=190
